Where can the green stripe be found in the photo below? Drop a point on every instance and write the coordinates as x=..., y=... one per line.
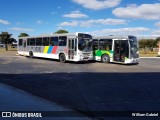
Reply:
x=101, y=52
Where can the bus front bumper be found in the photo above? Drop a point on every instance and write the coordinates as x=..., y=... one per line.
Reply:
x=132, y=61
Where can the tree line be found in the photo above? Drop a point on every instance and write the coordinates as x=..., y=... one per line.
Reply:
x=148, y=43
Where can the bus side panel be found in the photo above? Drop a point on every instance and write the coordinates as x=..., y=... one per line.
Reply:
x=99, y=53
x=20, y=50
x=48, y=51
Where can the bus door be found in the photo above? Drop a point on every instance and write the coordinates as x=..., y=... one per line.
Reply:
x=24, y=45
x=72, y=48
x=120, y=50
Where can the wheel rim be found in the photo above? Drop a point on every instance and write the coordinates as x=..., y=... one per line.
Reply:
x=31, y=55
x=105, y=58
x=62, y=58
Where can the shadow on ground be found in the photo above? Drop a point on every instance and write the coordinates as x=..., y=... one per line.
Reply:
x=93, y=91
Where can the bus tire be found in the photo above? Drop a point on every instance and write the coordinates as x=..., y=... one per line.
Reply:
x=105, y=58
x=31, y=54
x=62, y=58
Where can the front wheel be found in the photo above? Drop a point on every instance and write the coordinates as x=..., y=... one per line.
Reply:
x=31, y=54
x=62, y=58
x=105, y=58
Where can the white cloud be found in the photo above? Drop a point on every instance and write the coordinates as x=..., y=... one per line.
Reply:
x=102, y=22
x=144, y=11
x=75, y=14
x=39, y=21
x=97, y=4
x=156, y=32
x=157, y=24
x=121, y=31
x=93, y=22
x=20, y=23
x=71, y=24
x=4, y=22
x=110, y=21
x=22, y=29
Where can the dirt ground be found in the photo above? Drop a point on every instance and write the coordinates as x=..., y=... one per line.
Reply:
x=8, y=53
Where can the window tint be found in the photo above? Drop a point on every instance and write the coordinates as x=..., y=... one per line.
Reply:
x=75, y=45
x=62, y=41
x=95, y=44
x=28, y=41
x=54, y=41
x=24, y=43
x=38, y=41
x=32, y=42
x=81, y=35
x=105, y=44
x=45, y=41
x=20, y=42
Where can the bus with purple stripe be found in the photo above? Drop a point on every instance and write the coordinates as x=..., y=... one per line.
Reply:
x=64, y=47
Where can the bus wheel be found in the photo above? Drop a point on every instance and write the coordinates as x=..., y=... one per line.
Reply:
x=62, y=58
x=105, y=58
x=31, y=54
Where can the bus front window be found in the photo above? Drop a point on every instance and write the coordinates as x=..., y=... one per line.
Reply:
x=84, y=45
x=134, y=48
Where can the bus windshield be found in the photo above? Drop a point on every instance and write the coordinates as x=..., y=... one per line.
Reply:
x=84, y=44
x=134, y=48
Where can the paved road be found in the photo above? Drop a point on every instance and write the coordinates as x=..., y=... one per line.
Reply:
x=91, y=86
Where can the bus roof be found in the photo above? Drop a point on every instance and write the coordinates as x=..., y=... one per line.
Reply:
x=112, y=37
x=54, y=34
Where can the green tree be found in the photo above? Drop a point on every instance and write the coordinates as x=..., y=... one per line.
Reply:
x=142, y=44
x=150, y=44
x=6, y=39
x=61, y=31
x=23, y=35
x=147, y=44
x=157, y=40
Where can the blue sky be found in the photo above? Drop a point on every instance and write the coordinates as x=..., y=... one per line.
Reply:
x=97, y=17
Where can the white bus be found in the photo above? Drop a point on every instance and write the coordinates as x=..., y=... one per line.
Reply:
x=118, y=49
x=64, y=47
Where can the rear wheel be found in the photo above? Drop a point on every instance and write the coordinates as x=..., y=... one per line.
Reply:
x=105, y=58
x=31, y=54
x=62, y=58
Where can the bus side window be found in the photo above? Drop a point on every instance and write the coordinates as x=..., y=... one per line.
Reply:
x=32, y=42
x=53, y=41
x=62, y=41
x=105, y=44
x=45, y=41
x=38, y=41
x=101, y=44
x=28, y=41
x=20, y=42
x=109, y=44
x=95, y=44
x=24, y=43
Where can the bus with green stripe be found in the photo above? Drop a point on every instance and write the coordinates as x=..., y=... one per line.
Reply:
x=117, y=49
x=64, y=47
